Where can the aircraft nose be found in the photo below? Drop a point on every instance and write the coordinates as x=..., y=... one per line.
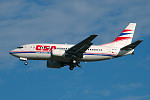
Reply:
x=10, y=52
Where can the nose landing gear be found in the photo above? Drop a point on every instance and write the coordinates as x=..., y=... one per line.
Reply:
x=24, y=59
x=26, y=63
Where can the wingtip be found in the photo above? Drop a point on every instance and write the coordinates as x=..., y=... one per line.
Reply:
x=95, y=34
x=132, y=23
x=140, y=40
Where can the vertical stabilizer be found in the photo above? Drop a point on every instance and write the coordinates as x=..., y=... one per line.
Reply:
x=125, y=38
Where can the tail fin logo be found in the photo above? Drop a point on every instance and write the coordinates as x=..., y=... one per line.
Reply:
x=125, y=38
x=124, y=35
x=121, y=38
x=126, y=32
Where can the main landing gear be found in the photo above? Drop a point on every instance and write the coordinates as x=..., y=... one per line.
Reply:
x=74, y=64
x=71, y=67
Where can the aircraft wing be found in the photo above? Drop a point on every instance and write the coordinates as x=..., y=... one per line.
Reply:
x=76, y=52
x=132, y=45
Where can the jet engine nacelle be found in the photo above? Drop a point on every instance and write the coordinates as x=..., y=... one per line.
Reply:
x=53, y=64
x=58, y=53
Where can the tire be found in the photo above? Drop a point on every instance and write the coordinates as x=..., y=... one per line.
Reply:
x=26, y=63
x=71, y=68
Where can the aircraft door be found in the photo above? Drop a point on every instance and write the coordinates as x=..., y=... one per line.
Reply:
x=31, y=48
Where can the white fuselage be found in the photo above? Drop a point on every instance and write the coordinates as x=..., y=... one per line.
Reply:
x=44, y=52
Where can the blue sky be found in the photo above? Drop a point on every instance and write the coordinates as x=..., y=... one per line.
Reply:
x=70, y=21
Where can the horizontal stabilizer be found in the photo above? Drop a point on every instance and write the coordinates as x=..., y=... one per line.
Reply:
x=132, y=45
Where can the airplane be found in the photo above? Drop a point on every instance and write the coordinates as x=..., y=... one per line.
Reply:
x=60, y=55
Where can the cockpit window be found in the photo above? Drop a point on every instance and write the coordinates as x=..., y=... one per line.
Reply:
x=20, y=47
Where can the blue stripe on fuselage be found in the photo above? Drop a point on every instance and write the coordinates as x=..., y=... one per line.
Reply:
x=99, y=54
x=29, y=52
x=50, y=52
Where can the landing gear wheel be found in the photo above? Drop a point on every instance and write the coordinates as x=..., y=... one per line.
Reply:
x=71, y=68
x=26, y=63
